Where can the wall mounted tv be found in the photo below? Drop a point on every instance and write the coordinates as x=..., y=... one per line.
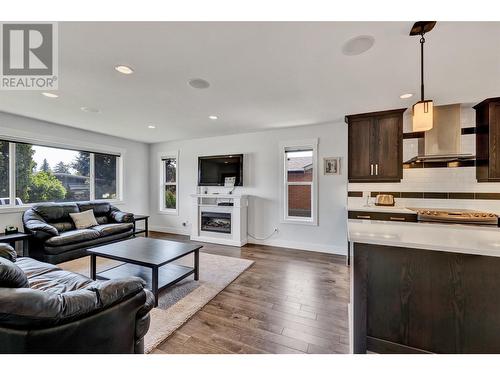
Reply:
x=213, y=170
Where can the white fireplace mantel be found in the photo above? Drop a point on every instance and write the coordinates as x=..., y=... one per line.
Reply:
x=219, y=203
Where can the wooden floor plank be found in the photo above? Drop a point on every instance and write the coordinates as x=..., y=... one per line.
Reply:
x=289, y=301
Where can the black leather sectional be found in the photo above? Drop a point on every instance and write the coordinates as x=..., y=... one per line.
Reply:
x=44, y=309
x=55, y=238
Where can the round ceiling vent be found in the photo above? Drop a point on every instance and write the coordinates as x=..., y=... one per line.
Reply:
x=90, y=109
x=198, y=83
x=358, y=45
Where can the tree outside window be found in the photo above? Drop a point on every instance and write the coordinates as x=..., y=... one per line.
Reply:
x=47, y=174
x=169, y=182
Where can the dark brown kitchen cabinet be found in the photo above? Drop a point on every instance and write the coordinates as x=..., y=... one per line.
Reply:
x=375, y=146
x=383, y=216
x=488, y=140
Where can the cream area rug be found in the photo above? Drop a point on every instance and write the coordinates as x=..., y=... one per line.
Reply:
x=180, y=302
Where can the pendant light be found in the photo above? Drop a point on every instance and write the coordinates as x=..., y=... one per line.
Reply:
x=422, y=110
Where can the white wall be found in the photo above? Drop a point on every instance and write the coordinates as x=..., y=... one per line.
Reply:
x=135, y=158
x=262, y=182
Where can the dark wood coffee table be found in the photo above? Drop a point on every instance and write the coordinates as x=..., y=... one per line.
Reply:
x=149, y=259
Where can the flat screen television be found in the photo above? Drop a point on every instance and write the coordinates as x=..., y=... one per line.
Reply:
x=213, y=170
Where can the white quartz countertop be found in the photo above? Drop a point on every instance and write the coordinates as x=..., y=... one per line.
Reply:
x=373, y=208
x=467, y=239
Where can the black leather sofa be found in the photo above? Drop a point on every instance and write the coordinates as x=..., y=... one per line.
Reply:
x=44, y=309
x=55, y=238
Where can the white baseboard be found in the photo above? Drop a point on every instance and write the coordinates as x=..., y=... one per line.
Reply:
x=221, y=241
x=172, y=230
x=320, y=248
x=277, y=243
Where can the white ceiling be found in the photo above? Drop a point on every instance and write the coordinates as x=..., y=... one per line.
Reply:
x=262, y=75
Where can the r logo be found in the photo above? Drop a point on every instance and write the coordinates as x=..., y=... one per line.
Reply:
x=27, y=49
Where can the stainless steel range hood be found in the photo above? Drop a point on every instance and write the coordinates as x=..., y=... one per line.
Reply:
x=443, y=142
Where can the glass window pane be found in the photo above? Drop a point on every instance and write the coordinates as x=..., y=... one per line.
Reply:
x=299, y=165
x=4, y=173
x=170, y=197
x=47, y=174
x=299, y=201
x=170, y=169
x=105, y=176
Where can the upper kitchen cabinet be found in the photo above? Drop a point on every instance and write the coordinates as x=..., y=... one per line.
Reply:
x=488, y=140
x=375, y=146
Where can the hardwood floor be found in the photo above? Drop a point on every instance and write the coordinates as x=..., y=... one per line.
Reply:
x=289, y=301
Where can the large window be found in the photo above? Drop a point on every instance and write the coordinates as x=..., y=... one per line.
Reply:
x=168, y=188
x=48, y=174
x=299, y=198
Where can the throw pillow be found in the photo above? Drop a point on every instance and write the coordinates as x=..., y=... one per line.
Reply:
x=84, y=220
x=11, y=276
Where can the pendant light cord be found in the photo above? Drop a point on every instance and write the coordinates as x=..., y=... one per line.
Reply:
x=422, y=41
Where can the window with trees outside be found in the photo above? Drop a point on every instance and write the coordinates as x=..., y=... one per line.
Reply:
x=168, y=196
x=299, y=193
x=48, y=174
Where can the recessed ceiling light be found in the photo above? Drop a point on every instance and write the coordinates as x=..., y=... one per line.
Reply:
x=405, y=96
x=90, y=109
x=213, y=117
x=151, y=127
x=198, y=83
x=124, y=69
x=50, y=95
x=358, y=45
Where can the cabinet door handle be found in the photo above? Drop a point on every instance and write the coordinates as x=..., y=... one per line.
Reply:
x=397, y=218
x=371, y=169
x=363, y=217
x=376, y=169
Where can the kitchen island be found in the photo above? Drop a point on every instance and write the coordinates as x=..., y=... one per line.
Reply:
x=424, y=287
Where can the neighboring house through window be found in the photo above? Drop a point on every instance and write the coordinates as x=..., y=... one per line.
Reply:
x=299, y=196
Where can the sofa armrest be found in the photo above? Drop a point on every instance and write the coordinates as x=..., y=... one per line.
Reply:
x=34, y=224
x=143, y=319
x=25, y=308
x=120, y=217
x=8, y=252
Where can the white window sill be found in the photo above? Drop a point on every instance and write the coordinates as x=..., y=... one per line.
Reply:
x=24, y=207
x=299, y=222
x=13, y=209
x=169, y=212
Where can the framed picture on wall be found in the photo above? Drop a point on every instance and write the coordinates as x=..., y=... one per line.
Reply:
x=331, y=166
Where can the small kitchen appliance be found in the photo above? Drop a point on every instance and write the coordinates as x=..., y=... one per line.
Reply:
x=384, y=200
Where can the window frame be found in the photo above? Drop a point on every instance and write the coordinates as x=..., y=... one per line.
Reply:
x=20, y=137
x=284, y=183
x=163, y=183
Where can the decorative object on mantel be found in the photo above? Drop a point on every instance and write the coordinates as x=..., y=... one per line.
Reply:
x=331, y=166
x=229, y=181
x=422, y=110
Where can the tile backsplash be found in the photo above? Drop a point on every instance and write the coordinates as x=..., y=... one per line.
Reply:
x=461, y=179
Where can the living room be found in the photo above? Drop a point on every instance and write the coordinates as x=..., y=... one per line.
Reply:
x=258, y=187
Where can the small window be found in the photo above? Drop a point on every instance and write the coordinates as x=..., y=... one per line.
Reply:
x=4, y=174
x=169, y=182
x=299, y=193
